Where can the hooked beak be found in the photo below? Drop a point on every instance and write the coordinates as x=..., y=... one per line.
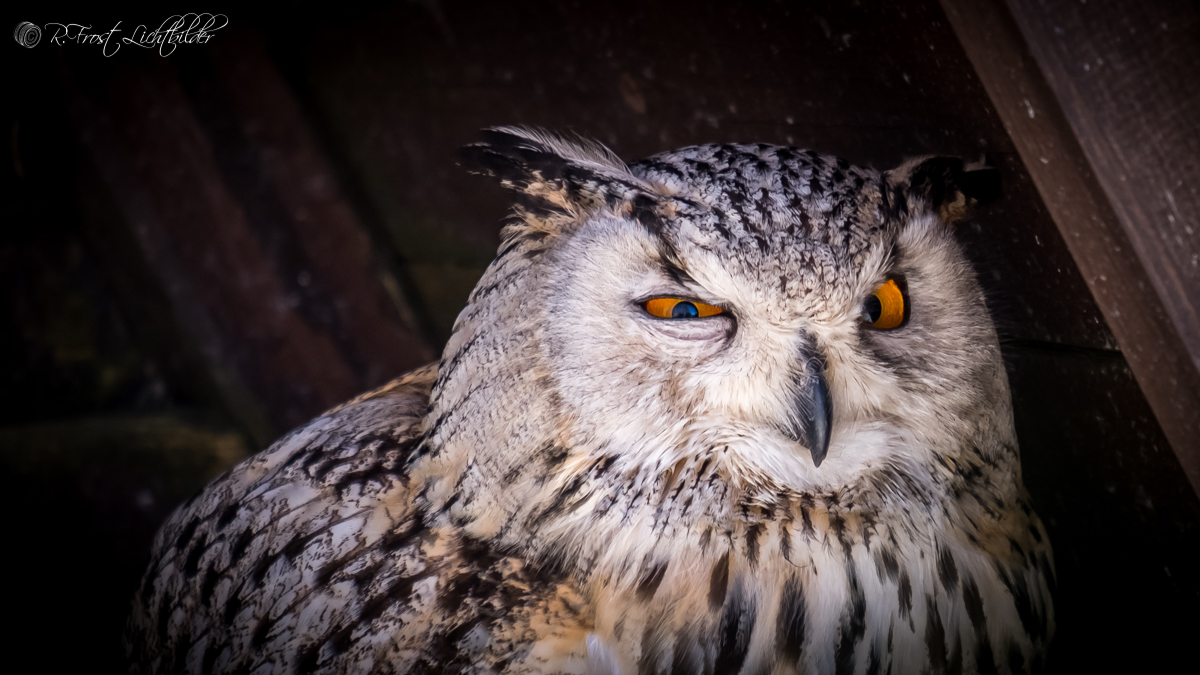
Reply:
x=812, y=410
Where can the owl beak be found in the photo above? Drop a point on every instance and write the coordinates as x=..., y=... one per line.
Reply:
x=812, y=410
x=819, y=420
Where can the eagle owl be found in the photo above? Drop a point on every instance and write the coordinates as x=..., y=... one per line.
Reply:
x=730, y=409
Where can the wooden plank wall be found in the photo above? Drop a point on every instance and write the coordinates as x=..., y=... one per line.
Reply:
x=1128, y=83
x=242, y=223
x=1102, y=103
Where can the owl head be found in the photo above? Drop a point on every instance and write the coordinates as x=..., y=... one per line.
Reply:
x=801, y=319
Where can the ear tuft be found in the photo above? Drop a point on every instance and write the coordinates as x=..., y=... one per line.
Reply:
x=946, y=185
x=572, y=148
x=549, y=170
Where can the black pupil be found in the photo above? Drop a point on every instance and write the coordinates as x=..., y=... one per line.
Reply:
x=684, y=310
x=872, y=309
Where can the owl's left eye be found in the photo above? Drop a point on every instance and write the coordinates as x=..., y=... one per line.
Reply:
x=886, y=307
x=679, y=308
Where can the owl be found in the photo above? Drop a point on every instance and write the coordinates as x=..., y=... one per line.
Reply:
x=730, y=409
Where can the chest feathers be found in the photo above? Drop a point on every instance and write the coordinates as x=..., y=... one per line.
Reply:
x=688, y=574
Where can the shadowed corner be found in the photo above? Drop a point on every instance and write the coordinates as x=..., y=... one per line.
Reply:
x=90, y=495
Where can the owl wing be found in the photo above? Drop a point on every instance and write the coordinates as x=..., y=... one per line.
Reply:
x=312, y=557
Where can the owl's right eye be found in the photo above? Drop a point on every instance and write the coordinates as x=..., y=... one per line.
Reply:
x=678, y=308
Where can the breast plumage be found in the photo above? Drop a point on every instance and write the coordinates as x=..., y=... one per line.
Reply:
x=730, y=409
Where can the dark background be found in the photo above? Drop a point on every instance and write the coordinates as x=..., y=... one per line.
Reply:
x=201, y=251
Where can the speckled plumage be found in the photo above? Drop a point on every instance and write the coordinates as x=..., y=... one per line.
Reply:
x=578, y=487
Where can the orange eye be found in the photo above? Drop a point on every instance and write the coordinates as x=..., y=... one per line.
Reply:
x=886, y=306
x=678, y=308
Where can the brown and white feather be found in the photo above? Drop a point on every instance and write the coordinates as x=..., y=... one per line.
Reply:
x=574, y=488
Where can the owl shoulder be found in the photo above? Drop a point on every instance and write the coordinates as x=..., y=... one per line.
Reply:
x=322, y=491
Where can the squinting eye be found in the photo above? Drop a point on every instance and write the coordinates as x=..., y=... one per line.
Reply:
x=885, y=307
x=678, y=308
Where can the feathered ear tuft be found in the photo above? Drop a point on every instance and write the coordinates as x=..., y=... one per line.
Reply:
x=571, y=174
x=945, y=185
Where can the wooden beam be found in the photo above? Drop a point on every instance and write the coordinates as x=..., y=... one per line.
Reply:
x=1125, y=75
x=1111, y=254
